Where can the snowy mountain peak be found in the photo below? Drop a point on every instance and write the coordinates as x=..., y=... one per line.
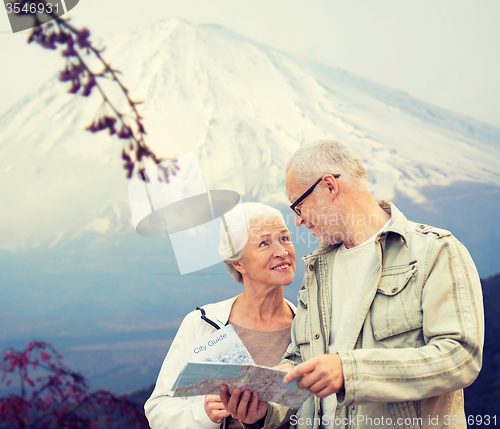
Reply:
x=243, y=108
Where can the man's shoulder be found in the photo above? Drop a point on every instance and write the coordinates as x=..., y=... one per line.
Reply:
x=419, y=240
x=409, y=228
x=424, y=241
x=422, y=228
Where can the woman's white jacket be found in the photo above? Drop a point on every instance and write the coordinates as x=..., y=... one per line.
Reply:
x=162, y=410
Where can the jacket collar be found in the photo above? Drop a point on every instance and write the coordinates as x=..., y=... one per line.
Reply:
x=397, y=225
x=220, y=311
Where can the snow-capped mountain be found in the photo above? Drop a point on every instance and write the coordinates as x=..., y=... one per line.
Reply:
x=244, y=108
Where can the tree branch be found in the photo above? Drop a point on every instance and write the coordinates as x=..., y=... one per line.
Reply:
x=135, y=151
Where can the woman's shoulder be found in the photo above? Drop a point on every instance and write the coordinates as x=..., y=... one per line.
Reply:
x=217, y=311
x=209, y=314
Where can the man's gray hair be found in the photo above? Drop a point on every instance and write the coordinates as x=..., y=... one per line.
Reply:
x=235, y=229
x=316, y=159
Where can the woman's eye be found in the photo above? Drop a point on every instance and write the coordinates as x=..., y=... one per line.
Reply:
x=264, y=243
x=283, y=239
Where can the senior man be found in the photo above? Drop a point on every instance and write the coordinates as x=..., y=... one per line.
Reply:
x=389, y=327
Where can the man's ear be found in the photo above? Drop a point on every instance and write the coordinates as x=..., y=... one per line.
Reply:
x=333, y=185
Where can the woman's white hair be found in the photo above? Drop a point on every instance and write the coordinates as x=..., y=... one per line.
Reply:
x=316, y=159
x=234, y=232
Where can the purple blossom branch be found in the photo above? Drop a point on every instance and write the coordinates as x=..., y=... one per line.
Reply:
x=135, y=151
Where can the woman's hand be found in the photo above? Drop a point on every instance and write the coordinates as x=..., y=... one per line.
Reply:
x=215, y=408
x=284, y=367
x=243, y=406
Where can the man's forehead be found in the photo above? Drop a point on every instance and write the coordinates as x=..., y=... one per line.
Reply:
x=290, y=175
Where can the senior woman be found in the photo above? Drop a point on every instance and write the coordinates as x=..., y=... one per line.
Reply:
x=260, y=315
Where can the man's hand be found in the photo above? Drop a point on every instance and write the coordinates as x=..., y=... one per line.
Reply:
x=215, y=408
x=321, y=375
x=245, y=406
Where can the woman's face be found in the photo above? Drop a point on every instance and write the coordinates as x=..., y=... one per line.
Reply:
x=269, y=255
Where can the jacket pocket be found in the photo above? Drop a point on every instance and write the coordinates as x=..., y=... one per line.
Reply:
x=397, y=306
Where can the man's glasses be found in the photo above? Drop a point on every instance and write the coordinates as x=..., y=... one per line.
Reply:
x=305, y=195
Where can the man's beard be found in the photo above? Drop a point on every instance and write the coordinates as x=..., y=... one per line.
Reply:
x=329, y=224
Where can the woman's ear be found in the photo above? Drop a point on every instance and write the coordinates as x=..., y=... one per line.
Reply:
x=238, y=267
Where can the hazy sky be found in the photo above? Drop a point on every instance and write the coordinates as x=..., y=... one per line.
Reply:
x=445, y=52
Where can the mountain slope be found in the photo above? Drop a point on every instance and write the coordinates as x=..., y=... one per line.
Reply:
x=482, y=397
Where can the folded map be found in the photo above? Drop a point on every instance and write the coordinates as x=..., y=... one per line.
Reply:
x=223, y=345
x=205, y=378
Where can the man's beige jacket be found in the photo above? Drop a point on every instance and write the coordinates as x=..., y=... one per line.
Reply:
x=417, y=340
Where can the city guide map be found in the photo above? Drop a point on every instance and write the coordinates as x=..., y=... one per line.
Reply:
x=205, y=378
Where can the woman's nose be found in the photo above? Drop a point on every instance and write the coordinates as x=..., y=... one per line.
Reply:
x=280, y=251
